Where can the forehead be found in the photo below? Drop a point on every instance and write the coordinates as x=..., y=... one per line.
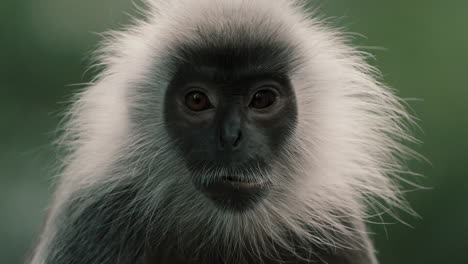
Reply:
x=224, y=78
x=237, y=51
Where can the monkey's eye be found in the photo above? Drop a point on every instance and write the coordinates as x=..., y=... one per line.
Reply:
x=197, y=101
x=263, y=99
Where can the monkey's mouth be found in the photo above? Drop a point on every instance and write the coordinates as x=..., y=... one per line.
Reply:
x=241, y=183
x=235, y=193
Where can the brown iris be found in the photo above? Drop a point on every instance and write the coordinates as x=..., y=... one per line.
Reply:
x=263, y=99
x=197, y=101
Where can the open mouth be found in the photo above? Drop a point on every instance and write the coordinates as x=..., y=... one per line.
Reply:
x=235, y=193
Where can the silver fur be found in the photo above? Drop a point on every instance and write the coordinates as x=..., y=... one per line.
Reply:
x=344, y=152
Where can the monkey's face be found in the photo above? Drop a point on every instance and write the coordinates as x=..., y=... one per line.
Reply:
x=230, y=128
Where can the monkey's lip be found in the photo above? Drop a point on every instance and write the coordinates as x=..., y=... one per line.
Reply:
x=236, y=193
x=241, y=183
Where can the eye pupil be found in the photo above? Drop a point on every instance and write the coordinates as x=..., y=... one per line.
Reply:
x=263, y=99
x=197, y=101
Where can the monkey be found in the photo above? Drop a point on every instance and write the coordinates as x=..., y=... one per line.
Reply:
x=226, y=131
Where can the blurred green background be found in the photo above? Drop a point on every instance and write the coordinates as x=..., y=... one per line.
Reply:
x=45, y=47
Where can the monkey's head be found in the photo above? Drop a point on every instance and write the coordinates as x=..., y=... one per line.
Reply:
x=223, y=92
x=241, y=118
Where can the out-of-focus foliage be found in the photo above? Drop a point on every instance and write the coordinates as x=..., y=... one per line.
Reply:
x=424, y=54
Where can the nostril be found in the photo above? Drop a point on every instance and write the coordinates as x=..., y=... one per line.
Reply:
x=238, y=139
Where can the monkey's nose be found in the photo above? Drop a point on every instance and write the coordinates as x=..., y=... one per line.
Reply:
x=230, y=138
x=230, y=134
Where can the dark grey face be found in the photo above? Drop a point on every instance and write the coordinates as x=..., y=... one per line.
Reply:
x=230, y=110
x=229, y=129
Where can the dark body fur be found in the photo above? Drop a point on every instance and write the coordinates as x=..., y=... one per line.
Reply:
x=108, y=229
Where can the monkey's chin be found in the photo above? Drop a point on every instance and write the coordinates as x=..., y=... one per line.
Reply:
x=231, y=194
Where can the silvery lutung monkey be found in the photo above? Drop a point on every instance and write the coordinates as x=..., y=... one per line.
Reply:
x=225, y=131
